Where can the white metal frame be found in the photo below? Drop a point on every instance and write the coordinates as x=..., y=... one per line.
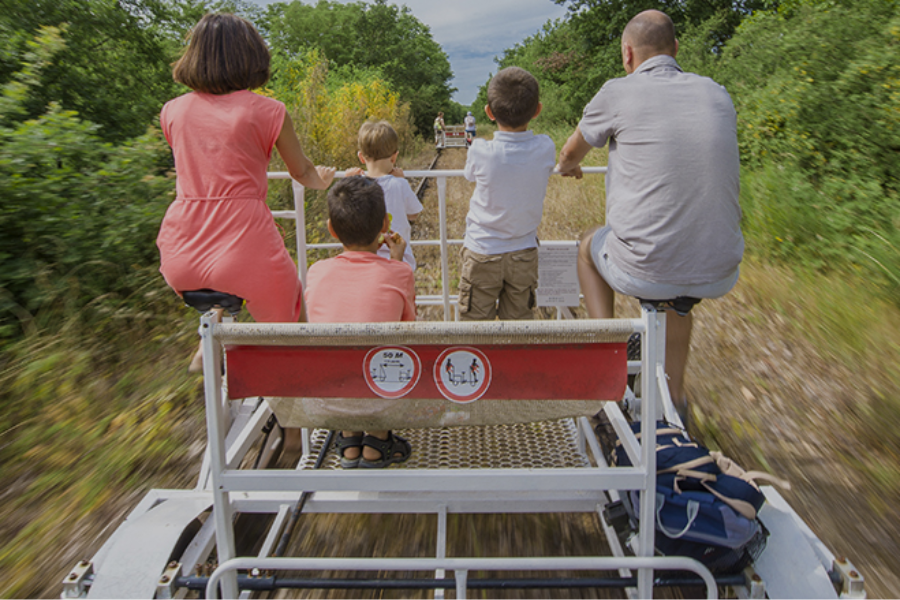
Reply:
x=458, y=140
x=448, y=490
x=445, y=299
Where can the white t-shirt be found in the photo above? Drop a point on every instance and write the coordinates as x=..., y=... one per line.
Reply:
x=510, y=174
x=470, y=122
x=400, y=201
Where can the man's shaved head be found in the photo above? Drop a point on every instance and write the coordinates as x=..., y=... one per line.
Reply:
x=650, y=33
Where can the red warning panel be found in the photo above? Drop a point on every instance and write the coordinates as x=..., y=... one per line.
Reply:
x=459, y=373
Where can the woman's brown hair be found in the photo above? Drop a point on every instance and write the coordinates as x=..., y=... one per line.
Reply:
x=225, y=54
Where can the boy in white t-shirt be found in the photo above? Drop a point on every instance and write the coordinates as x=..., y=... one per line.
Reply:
x=499, y=262
x=378, y=149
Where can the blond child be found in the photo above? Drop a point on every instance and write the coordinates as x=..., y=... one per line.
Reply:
x=378, y=150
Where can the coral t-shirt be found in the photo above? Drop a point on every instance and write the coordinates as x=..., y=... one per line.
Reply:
x=219, y=233
x=360, y=287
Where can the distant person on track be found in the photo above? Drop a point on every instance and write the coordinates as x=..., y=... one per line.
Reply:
x=219, y=233
x=499, y=258
x=672, y=212
x=470, y=128
x=359, y=286
x=378, y=150
x=439, y=129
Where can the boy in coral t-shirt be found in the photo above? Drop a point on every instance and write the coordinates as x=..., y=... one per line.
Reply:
x=358, y=286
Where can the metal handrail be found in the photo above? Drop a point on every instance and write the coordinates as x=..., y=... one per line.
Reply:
x=298, y=215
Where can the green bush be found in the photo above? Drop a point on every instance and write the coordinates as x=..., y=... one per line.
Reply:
x=77, y=215
x=817, y=89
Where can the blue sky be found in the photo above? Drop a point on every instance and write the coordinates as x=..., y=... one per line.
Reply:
x=473, y=32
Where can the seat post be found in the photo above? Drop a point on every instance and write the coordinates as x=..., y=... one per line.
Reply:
x=652, y=365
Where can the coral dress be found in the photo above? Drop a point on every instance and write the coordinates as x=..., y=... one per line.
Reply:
x=219, y=233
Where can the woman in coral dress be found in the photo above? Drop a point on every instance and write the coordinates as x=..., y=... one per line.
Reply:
x=219, y=233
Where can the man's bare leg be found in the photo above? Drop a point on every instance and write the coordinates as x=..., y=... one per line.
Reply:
x=599, y=298
x=678, y=343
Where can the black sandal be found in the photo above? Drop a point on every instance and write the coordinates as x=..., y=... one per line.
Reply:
x=342, y=443
x=394, y=449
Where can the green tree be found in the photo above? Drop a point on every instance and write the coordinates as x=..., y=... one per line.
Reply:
x=114, y=69
x=77, y=214
x=377, y=36
x=573, y=57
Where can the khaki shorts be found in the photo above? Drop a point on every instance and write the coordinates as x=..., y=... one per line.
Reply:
x=492, y=285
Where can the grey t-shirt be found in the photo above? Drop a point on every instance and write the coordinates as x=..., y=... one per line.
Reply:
x=673, y=183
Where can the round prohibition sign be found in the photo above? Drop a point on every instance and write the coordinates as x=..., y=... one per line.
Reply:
x=392, y=371
x=462, y=374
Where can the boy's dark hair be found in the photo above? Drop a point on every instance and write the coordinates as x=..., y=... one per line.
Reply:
x=513, y=95
x=357, y=210
x=224, y=54
x=377, y=140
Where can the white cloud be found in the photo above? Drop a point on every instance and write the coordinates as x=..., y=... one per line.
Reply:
x=474, y=32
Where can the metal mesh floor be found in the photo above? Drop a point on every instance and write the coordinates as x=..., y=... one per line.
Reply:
x=540, y=445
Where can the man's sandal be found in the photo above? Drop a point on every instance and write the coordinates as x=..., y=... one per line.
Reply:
x=342, y=443
x=394, y=449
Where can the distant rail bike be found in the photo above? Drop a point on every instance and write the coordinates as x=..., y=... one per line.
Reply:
x=435, y=381
x=453, y=136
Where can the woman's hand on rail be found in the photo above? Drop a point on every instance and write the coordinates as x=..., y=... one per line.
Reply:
x=326, y=174
x=353, y=172
x=297, y=163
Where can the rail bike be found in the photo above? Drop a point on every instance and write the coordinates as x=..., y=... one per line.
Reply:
x=453, y=136
x=503, y=419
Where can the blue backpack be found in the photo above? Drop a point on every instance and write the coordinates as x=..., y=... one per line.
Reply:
x=706, y=505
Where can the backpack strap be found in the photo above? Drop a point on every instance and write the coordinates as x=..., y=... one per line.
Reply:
x=689, y=466
x=729, y=467
x=692, y=510
x=664, y=431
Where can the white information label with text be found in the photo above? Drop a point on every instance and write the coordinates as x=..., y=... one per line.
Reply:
x=558, y=275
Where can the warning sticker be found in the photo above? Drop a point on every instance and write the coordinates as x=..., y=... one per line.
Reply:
x=392, y=371
x=462, y=374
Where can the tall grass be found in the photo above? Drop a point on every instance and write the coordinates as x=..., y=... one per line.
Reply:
x=94, y=410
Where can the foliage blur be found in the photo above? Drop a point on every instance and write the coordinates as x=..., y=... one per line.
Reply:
x=817, y=89
x=79, y=214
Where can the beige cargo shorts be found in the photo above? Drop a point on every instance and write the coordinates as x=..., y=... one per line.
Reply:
x=492, y=285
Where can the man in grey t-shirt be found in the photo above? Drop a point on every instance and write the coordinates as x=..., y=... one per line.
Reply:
x=672, y=212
